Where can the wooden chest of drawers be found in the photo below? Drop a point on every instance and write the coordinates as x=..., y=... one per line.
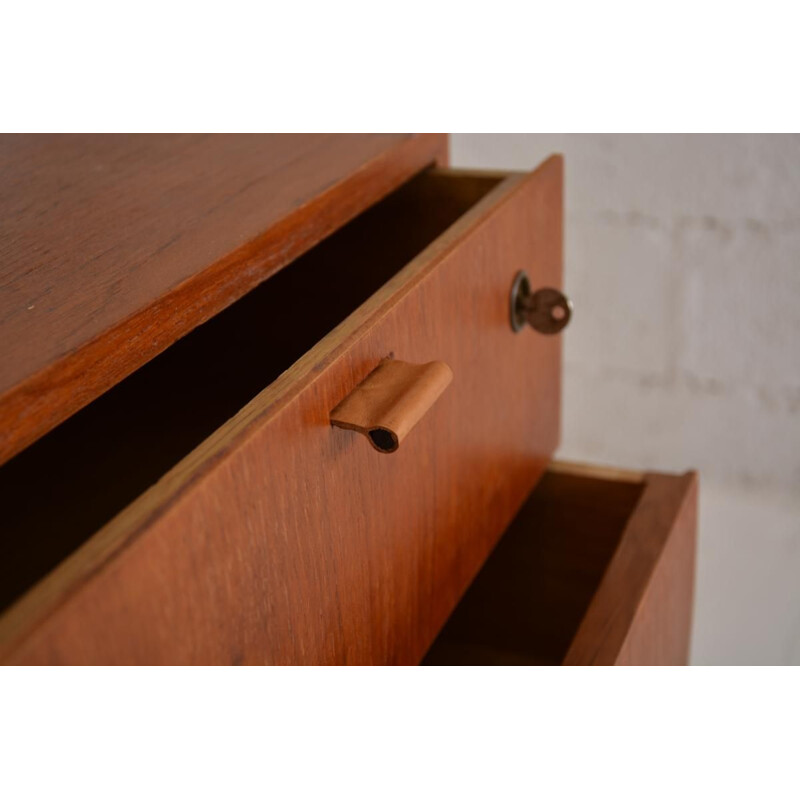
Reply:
x=182, y=317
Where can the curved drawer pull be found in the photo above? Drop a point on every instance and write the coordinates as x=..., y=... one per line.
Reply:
x=390, y=401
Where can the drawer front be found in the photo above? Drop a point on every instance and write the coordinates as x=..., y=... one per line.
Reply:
x=283, y=539
x=642, y=611
x=596, y=568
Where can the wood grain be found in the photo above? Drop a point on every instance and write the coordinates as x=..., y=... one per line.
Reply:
x=283, y=540
x=597, y=568
x=112, y=247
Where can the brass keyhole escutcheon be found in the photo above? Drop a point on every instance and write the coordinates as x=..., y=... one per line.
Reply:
x=546, y=310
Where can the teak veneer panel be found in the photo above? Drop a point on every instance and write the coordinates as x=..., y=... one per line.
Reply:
x=284, y=540
x=114, y=246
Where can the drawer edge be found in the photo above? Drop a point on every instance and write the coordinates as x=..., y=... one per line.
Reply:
x=626, y=621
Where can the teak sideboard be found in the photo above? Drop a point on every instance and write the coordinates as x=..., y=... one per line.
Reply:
x=263, y=400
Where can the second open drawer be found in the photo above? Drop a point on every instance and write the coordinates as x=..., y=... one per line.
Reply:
x=597, y=568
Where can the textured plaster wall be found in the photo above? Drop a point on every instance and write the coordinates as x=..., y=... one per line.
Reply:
x=683, y=262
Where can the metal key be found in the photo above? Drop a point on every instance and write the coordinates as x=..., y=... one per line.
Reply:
x=546, y=310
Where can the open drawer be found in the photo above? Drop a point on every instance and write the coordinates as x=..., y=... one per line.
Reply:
x=597, y=568
x=204, y=510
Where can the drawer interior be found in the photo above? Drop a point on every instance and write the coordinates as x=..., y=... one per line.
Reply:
x=67, y=485
x=526, y=604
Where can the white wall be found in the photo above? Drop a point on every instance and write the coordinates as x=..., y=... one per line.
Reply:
x=683, y=262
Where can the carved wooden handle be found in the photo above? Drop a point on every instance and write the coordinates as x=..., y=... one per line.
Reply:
x=390, y=401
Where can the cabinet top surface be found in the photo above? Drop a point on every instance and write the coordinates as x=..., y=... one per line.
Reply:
x=114, y=246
